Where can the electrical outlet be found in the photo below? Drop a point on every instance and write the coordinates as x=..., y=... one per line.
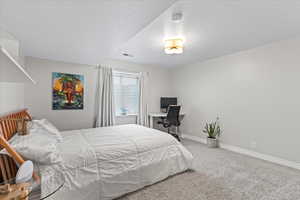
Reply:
x=253, y=145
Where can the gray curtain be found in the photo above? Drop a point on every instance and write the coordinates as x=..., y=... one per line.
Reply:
x=143, y=118
x=104, y=98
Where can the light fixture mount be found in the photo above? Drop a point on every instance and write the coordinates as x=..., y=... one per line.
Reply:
x=177, y=16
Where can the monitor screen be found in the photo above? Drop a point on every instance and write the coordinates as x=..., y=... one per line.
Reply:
x=166, y=101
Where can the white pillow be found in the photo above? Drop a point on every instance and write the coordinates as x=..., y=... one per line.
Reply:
x=37, y=147
x=45, y=124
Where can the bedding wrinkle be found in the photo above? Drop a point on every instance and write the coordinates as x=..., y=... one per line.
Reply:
x=139, y=173
x=97, y=171
x=106, y=163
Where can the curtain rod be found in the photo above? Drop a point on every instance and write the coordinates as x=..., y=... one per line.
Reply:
x=122, y=70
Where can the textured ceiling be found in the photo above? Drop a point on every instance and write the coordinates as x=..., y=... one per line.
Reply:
x=92, y=30
x=213, y=28
x=79, y=31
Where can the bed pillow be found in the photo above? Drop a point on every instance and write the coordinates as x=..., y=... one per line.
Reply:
x=37, y=147
x=48, y=126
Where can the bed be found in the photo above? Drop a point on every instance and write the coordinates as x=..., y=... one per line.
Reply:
x=106, y=163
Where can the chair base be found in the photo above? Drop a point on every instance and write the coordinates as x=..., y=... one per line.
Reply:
x=176, y=136
x=168, y=126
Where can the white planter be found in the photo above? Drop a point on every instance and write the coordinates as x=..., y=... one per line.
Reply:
x=212, y=143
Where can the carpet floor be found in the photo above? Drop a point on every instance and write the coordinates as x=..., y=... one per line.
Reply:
x=223, y=175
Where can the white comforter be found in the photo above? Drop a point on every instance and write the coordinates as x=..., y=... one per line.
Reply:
x=105, y=163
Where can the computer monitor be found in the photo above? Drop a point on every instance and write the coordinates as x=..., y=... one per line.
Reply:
x=166, y=101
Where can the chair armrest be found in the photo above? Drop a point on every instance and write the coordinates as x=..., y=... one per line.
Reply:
x=15, y=155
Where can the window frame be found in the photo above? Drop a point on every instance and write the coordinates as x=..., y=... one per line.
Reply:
x=124, y=74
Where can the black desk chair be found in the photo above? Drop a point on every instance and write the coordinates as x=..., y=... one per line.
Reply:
x=172, y=119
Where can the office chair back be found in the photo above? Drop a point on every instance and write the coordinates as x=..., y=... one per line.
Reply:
x=173, y=115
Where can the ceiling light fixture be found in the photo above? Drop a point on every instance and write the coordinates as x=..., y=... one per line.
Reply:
x=174, y=46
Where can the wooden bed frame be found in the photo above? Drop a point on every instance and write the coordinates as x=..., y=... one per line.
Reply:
x=8, y=128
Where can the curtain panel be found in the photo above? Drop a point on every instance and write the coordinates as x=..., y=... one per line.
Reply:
x=104, y=107
x=143, y=118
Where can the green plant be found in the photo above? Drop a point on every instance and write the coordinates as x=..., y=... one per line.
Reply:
x=213, y=129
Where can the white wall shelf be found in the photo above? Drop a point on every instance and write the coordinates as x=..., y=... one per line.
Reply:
x=16, y=63
x=10, y=48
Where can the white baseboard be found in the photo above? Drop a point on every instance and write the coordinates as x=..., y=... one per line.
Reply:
x=240, y=150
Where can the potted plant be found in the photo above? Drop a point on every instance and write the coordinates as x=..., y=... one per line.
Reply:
x=213, y=131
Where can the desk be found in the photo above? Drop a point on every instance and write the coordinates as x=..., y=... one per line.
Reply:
x=158, y=115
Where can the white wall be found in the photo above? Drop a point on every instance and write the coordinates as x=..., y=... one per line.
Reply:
x=256, y=93
x=38, y=97
x=11, y=86
x=11, y=97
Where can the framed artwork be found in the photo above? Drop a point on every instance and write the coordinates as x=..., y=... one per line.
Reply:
x=67, y=91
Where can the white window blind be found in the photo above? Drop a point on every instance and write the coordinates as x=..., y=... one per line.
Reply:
x=126, y=93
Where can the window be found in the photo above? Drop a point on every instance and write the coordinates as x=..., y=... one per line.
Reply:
x=126, y=93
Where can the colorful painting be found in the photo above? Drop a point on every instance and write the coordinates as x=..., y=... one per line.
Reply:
x=67, y=91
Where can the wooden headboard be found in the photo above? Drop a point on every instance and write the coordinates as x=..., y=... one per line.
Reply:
x=8, y=128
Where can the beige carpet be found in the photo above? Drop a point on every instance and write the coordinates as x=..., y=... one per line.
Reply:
x=223, y=175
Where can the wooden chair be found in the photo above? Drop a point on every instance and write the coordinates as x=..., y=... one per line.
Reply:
x=8, y=168
x=8, y=128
